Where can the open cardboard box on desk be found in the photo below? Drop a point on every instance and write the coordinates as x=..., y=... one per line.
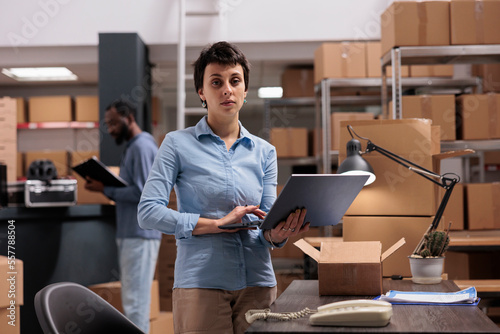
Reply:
x=349, y=268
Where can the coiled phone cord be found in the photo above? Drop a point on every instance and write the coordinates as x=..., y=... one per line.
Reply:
x=252, y=315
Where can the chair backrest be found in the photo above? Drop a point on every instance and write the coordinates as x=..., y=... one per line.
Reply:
x=72, y=308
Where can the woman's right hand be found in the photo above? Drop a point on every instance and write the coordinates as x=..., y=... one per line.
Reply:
x=292, y=226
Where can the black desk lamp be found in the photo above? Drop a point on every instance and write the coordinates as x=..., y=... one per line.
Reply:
x=356, y=164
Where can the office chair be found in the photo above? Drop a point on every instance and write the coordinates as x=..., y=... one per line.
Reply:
x=70, y=308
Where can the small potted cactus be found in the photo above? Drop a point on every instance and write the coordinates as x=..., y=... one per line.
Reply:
x=426, y=263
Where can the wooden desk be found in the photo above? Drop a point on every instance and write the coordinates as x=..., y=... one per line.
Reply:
x=406, y=318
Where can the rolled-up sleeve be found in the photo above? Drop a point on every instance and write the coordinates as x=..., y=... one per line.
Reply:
x=153, y=212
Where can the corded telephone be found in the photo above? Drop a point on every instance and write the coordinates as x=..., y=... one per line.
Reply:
x=358, y=312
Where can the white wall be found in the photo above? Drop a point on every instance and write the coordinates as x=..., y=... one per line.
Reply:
x=78, y=22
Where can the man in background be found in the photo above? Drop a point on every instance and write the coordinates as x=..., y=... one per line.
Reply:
x=137, y=248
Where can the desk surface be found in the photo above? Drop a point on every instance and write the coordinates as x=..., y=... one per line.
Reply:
x=405, y=319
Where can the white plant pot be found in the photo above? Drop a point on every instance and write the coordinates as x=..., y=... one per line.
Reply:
x=426, y=270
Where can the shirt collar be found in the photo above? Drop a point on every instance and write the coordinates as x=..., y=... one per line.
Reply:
x=202, y=128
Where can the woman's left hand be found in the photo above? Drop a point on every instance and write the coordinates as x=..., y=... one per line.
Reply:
x=293, y=225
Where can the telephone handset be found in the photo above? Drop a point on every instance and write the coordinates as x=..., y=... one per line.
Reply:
x=359, y=312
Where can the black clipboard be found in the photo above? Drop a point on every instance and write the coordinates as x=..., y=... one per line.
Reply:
x=96, y=170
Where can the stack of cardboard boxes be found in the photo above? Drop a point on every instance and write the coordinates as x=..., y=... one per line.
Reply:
x=40, y=111
x=466, y=117
x=8, y=136
x=362, y=60
x=400, y=203
x=428, y=23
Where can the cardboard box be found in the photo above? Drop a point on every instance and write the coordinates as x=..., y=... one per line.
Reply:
x=349, y=268
x=412, y=23
x=388, y=230
x=11, y=278
x=11, y=320
x=483, y=206
x=490, y=73
x=492, y=157
x=20, y=165
x=455, y=210
x=290, y=142
x=474, y=22
x=8, y=157
x=340, y=60
x=431, y=70
x=87, y=108
x=164, y=324
x=478, y=116
x=289, y=251
x=405, y=71
x=8, y=116
x=85, y=196
x=22, y=110
x=439, y=108
x=8, y=136
x=50, y=109
x=338, y=117
x=373, y=63
x=111, y=292
x=398, y=191
x=298, y=82
x=59, y=158
x=335, y=119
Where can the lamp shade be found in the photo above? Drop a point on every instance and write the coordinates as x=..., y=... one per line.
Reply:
x=354, y=164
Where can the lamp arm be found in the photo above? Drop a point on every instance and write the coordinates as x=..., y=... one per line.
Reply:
x=445, y=182
x=439, y=214
x=370, y=147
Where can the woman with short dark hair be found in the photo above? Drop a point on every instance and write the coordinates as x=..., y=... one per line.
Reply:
x=221, y=174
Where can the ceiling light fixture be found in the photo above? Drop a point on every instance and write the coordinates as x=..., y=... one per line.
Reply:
x=270, y=92
x=40, y=74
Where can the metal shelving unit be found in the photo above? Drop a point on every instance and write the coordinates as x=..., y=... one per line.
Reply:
x=435, y=55
x=361, y=100
x=324, y=88
x=479, y=146
x=429, y=55
x=58, y=125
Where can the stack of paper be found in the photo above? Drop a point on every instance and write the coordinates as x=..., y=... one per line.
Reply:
x=466, y=296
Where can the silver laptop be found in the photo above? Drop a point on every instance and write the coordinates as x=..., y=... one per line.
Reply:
x=325, y=196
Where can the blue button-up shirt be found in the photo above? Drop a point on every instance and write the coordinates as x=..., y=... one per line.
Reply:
x=209, y=182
